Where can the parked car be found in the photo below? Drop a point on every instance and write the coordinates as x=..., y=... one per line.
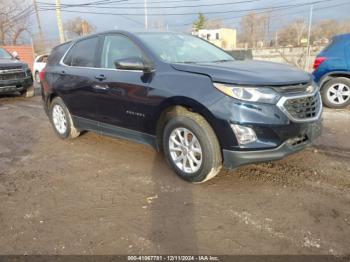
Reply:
x=183, y=96
x=39, y=64
x=332, y=72
x=15, y=76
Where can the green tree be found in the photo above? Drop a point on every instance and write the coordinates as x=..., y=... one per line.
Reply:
x=200, y=22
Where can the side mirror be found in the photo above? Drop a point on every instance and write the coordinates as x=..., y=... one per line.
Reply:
x=15, y=55
x=133, y=63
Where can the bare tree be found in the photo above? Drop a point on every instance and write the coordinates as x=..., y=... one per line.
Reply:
x=293, y=33
x=78, y=27
x=14, y=21
x=254, y=28
x=326, y=29
x=214, y=24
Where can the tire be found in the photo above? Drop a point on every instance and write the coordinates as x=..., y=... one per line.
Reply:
x=37, y=77
x=29, y=92
x=64, y=129
x=329, y=95
x=198, y=132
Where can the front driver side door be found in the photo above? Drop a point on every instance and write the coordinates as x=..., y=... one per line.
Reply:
x=121, y=91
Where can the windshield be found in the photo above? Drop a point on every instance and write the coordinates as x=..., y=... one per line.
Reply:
x=4, y=54
x=180, y=48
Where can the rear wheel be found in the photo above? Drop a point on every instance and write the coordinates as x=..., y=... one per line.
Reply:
x=336, y=92
x=191, y=147
x=61, y=120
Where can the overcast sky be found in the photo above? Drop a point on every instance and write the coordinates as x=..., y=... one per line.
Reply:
x=328, y=9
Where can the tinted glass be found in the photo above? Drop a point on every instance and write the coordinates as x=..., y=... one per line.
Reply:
x=82, y=53
x=4, y=54
x=57, y=53
x=180, y=48
x=117, y=47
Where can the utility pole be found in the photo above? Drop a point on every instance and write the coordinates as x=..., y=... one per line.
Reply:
x=39, y=23
x=146, y=16
x=59, y=21
x=276, y=39
x=84, y=27
x=307, y=64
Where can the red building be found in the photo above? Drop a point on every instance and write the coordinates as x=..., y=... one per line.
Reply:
x=25, y=53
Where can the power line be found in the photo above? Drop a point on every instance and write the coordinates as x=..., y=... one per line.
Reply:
x=275, y=10
x=207, y=13
x=167, y=7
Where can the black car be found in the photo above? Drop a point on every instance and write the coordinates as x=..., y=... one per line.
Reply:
x=183, y=96
x=15, y=76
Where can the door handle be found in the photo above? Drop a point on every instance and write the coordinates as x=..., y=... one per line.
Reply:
x=101, y=87
x=100, y=77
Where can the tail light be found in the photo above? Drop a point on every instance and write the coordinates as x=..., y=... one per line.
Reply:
x=42, y=74
x=319, y=61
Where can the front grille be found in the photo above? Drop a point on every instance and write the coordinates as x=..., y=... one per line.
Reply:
x=12, y=75
x=290, y=89
x=302, y=108
x=10, y=67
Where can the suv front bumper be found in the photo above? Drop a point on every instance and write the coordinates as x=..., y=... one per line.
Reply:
x=234, y=159
x=17, y=85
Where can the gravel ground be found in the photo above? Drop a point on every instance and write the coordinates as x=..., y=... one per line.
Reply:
x=98, y=195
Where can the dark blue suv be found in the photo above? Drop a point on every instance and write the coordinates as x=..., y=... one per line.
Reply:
x=183, y=96
x=332, y=72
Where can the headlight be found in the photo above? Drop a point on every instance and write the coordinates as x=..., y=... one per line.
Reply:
x=251, y=94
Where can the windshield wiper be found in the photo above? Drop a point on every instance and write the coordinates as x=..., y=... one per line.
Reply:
x=223, y=60
x=188, y=62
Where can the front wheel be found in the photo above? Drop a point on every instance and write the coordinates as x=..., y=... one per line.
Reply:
x=191, y=147
x=336, y=92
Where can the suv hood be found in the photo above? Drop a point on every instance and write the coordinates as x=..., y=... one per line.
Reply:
x=248, y=72
x=10, y=63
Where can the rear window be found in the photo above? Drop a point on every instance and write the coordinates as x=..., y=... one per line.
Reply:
x=328, y=46
x=83, y=53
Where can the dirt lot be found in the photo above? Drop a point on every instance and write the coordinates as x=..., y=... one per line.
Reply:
x=98, y=195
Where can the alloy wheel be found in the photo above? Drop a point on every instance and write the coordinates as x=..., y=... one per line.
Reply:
x=338, y=93
x=59, y=119
x=185, y=150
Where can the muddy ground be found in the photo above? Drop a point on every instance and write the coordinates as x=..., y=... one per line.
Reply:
x=98, y=195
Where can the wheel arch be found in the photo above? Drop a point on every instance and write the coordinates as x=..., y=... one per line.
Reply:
x=179, y=103
x=333, y=75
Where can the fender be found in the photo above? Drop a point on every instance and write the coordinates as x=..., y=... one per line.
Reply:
x=188, y=103
x=333, y=74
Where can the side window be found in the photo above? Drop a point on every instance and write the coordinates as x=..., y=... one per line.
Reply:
x=82, y=53
x=118, y=47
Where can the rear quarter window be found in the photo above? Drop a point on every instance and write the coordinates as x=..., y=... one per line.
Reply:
x=83, y=53
x=57, y=53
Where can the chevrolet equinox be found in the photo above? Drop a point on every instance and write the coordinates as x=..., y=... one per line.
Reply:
x=182, y=95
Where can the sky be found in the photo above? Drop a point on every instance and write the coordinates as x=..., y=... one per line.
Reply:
x=228, y=10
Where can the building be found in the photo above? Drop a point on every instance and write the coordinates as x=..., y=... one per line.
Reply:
x=226, y=38
x=25, y=53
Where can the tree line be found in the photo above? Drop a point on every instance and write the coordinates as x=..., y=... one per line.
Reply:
x=256, y=30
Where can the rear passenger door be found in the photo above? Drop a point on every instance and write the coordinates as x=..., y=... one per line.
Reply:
x=77, y=78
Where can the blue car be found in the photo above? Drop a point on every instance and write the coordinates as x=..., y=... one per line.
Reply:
x=182, y=95
x=332, y=72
